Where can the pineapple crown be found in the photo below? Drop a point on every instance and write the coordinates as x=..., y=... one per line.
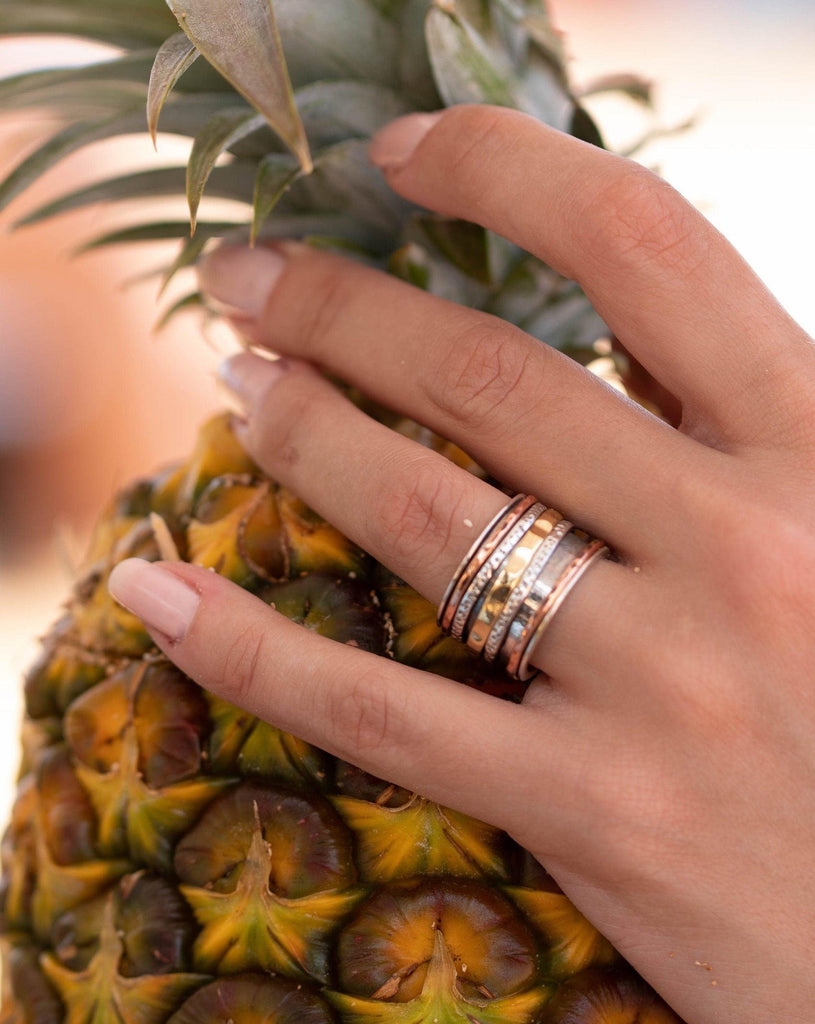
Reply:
x=279, y=111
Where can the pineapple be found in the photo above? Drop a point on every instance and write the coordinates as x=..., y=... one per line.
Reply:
x=170, y=859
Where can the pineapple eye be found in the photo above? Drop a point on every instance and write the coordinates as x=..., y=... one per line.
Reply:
x=309, y=848
x=390, y=944
x=254, y=999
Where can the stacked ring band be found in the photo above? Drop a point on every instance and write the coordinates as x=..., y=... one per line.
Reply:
x=513, y=580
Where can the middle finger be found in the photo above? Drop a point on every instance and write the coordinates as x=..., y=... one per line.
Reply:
x=531, y=416
x=407, y=506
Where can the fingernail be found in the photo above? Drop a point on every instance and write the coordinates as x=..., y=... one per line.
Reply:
x=395, y=144
x=153, y=594
x=241, y=278
x=250, y=376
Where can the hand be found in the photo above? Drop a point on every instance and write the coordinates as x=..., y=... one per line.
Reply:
x=665, y=774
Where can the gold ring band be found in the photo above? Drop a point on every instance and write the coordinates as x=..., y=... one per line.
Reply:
x=511, y=583
x=479, y=552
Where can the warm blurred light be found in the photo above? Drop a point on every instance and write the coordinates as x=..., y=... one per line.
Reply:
x=744, y=68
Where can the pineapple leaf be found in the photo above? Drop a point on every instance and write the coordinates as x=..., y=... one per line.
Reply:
x=340, y=109
x=60, y=145
x=164, y=181
x=77, y=101
x=243, y=43
x=130, y=68
x=462, y=243
x=339, y=39
x=158, y=231
x=133, y=23
x=390, y=8
x=233, y=182
x=275, y=175
x=175, y=55
x=496, y=66
x=184, y=118
x=461, y=63
x=548, y=40
x=192, y=301
x=218, y=134
x=635, y=87
x=187, y=256
x=416, y=81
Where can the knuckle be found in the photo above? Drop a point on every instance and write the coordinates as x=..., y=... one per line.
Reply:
x=482, y=376
x=282, y=432
x=416, y=516
x=638, y=217
x=758, y=568
x=476, y=131
x=275, y=429
x=364, y=716
x=328, y=297
x=242, y=664
x=768, y=561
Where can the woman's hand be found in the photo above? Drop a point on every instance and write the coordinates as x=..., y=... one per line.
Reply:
x=665, y=774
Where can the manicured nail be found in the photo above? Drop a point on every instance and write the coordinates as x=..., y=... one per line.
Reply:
x=153, y=594
x=395, y=144
x=241, y=278
x=250, y=376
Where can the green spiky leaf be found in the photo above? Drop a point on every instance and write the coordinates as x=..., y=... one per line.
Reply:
x=461, y=63
x=635, y=87
x=183, y=118
x=158, y=231
x=133, y=67
x=187, y=257
x=243, y=43
x=275, y=176
x=343, y=109
x=233, y=182
x=220, y=132
x=174, y=57
x=126, y=23
x=187, y=302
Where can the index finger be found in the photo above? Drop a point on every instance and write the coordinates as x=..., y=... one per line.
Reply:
x=674, y=291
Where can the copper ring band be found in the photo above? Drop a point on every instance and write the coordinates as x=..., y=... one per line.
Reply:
x=488, y=569
x=493, y=598
x=479, y=552
x=521, y=592
x=518, y=663
x=511, y=583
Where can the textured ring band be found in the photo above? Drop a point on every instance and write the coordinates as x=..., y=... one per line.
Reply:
x=490, y=604
x=521, y=592
x=485, y=573
x=594, y=550
x=511, y=583
x=480, y=550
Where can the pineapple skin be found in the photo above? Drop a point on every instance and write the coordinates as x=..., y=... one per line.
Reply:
x=170, y=858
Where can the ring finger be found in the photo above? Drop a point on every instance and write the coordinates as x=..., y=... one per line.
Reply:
x=408, y=506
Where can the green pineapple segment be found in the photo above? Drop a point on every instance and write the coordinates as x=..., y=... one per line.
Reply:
x=171, y=859
x=254, y=999
x=443, y=997
x=102, y=994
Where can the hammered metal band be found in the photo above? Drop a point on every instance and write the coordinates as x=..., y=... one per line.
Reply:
x=512, y=581
x=480, y=551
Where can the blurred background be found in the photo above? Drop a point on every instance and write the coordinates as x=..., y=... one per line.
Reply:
x=90, y=398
